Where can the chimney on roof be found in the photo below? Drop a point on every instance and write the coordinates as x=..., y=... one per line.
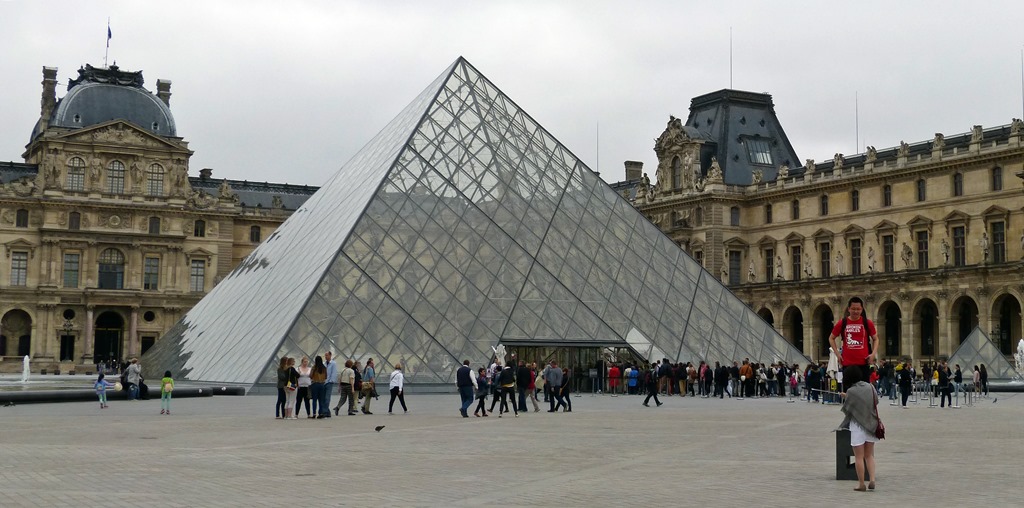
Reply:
x=205, y=173
x=49, y=100
x=634, y=170
x=163, y=91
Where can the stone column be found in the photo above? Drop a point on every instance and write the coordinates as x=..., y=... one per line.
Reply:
x=907, y=340
x=133, y=331
x=88, y=341
x=811, y=348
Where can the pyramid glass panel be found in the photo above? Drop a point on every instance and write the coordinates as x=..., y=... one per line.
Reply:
x=463, y=224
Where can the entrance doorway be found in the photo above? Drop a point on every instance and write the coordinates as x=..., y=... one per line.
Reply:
x=579, y=360
x=109, y=332
x=17, y=323
x=67, y=348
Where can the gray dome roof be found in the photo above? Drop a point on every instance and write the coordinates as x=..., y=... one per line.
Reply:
x=102, y=95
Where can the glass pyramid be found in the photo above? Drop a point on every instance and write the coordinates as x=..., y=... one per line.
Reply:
x=979, y=349
x=461, y=225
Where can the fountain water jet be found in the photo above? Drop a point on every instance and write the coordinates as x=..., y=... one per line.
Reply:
x=24, y=370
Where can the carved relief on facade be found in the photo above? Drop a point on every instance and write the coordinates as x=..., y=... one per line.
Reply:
x=673, y=147
x=200, y=199
x=180, y=187
x=24, y=186
x=115, y=221
x=120, y=134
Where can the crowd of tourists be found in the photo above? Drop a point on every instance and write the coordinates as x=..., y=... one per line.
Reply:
x=310, y=384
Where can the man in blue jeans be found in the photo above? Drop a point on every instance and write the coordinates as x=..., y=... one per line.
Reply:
x=332, y=378
x=465, y=380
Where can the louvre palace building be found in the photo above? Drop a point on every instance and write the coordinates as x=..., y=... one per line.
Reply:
x=929, y=233
x=108, y=235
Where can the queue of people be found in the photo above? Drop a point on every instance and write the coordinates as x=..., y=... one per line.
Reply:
x=310, y=385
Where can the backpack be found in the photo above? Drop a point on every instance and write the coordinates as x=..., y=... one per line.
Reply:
x=168, y=387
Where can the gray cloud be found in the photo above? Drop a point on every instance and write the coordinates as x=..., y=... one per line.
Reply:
x=288, y=91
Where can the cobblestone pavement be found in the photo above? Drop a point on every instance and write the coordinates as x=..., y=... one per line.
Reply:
x=230, y=451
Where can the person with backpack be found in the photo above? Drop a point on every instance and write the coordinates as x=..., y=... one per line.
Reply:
x=859, y=338
x=651, y=382
x=166, y=387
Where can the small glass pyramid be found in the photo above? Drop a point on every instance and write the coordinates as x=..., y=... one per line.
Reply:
x=979, y=349
x=461, y=225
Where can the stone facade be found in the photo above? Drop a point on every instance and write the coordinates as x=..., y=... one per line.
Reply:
x=107, y=241
x=929, y=234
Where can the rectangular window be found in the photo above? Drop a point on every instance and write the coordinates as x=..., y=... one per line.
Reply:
x=997, y=179
x=19, y=268
x=71, y=268
x=825, y=248
x=888, y=253
x=197, y=276
x=74, y=221
x=199, y=230
x=699, y=257
x=255, y=234
x=998, y=242
x=795, y=209
x=823, y=209
x=855, y=256
x=151, y=273
x=735, y=267
x=922, y=250
x=154, y=225
x=921, y=190
x=769, y=265
x=959, y=246
x=734, y=216
x=759, y=151
x=76, y=179
x=796, y=254
x=887, y=195
x=958, y=184
x=854, y=200
x=768, y=213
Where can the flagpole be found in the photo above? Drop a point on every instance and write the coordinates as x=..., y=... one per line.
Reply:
x=107, y=51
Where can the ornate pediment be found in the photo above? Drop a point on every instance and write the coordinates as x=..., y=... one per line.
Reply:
x=823, y=234
x=118, y=132
x=19, y=244
x=853, y=230
x=794, y=237
x=767, y=241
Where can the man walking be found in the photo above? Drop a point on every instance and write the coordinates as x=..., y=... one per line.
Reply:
x=346, y=386
x=855, y=331
x=553, y=382
x=465, y=380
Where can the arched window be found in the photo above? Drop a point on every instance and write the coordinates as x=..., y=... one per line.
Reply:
x=74, y=221
x=111, y=269
x=677, y=173
x=254, y=234
x=155, y=180
x=997, y=178
x=75, y=180
x=115, y=177
x=21, y=218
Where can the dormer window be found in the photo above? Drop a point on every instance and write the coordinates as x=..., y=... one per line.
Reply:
x=759, y=151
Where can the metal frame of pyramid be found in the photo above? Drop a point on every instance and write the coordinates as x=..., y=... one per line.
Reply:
x=978, y=349
x=462, y=224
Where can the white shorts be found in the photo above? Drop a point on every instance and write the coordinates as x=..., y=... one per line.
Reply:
x=858, y=436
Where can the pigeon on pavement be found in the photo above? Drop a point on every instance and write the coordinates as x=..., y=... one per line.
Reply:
x=378, y=428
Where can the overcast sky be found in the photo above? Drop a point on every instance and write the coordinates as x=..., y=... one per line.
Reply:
x=289, y=91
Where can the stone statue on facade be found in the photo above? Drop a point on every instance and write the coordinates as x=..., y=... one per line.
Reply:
x=871, y=259
x=51, y=172
x=751, y=274
x=778, y=268
x=783, y=172
x=944, y=247
x=837, y=162
x=807, y=266
x=872, y=155
x=276, y=202
x=977, y=134
x=839, y=263
x=224, y=191
x=984, y=246
x=907, y=255
x=642, y=188
x=809, y=165
x=499, y=354
x=715, y=171
x=939, y=142
x=1016, y=126
x=756, y=176
x=904, y=150
x=179, y=180
x=725, y=276
x=95, y=171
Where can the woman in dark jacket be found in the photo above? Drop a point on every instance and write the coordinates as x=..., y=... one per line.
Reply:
x=566, y=389
x=282, y=380
x=860, y=402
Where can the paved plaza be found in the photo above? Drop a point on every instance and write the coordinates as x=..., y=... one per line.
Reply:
x=230, y=451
